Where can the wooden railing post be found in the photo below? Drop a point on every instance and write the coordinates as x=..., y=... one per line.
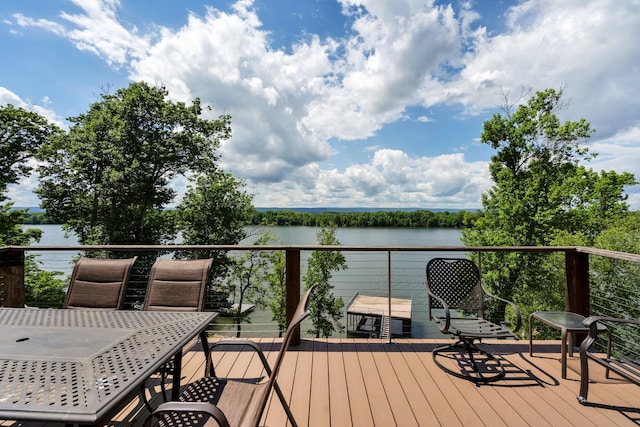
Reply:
x=577, y=282
x=293, y=288
x=12, y=278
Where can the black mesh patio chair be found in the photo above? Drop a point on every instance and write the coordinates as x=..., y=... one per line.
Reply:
x=456, y=300
x=98, y=283
x=176, y=285
x=213, y=401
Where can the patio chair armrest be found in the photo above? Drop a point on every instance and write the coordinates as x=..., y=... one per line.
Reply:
x=515, y=308
x=445, y=307
x=592, y=319
x=591, y=322
x=245, y=343
x=238, y=342
x=191, y=407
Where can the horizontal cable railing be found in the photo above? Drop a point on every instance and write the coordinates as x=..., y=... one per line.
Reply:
x=615, y=292
x=379, y=271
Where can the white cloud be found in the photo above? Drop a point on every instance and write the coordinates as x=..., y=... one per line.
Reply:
x=395, y=50
x=8, y=97
x=620, y=153
x=390, y=179
x=53, y=27
x=22, y=194
x=288, y=107
x=586, y=45
x=285, y=107
x=99, y=31
x=225, y=60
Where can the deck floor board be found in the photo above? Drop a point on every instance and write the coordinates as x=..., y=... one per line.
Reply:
x=366, y=382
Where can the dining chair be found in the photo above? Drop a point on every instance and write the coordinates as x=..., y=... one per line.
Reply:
x=227, y=402
x=98, y=283
x=176, y=285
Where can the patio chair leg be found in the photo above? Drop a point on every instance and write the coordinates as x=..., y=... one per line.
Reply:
x=164, y=375
x=584, y=380
x=285, y=405
x=143, y=387
x=143, y=397
x=470, y=348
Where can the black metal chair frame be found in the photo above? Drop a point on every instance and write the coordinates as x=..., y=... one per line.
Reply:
x=197, y=404
x=455, y=284
x=626, y=367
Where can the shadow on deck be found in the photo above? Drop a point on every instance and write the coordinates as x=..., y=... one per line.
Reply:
x=348, y=382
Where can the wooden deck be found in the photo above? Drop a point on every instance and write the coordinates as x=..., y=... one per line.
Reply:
x=347, y=382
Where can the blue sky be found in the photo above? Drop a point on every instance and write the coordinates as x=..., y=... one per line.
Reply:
x=345, y=103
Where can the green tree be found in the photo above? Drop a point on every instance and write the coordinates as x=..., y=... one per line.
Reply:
x=108, y=179
x=540, y=194
x=249, y=277
x=613, y=283
x=11, y=231
x=326, y=309
x=277, y=280
x=214, y=211
x=42, y=288
x=22, y=133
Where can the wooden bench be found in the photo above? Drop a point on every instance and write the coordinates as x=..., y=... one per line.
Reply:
x=627, y=368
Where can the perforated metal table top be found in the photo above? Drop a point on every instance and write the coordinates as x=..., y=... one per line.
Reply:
x=78, y=366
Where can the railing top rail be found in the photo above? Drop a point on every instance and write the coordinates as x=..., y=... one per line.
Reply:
x=387, y=248
x=139, y=248
x=625, y=256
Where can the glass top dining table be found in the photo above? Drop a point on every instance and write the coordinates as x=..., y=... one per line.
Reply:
x=81, y=366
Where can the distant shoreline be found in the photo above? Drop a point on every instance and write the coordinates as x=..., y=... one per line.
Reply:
x=339, y=217
x=322, y=209
x=365, y=210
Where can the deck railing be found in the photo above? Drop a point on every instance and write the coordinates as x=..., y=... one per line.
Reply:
x=391, y=270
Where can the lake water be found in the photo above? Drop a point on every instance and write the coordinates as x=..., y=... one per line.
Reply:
x=368, y=272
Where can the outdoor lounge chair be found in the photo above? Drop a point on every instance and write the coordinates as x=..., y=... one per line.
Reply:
x=454, y=287
x=98, y=284
x=176, y=285
x=225, y=402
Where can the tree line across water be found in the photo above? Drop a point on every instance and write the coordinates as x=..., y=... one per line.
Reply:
x=412, y=219
x=284, y=217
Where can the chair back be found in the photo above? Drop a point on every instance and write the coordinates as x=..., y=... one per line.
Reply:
x=457, y=282
x=301, y=313
x=177, y=285
x=98, y=284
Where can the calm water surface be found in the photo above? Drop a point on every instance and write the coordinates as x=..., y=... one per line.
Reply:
x=368, y=272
